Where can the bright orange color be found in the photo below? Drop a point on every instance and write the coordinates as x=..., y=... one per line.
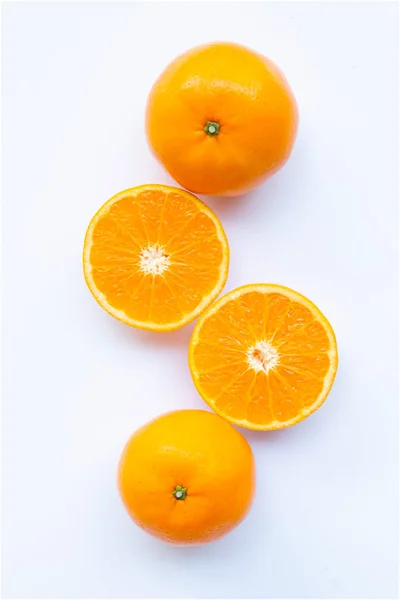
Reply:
x=188, y=477
x=263, y=356
x=155, y=257
x=221, y=119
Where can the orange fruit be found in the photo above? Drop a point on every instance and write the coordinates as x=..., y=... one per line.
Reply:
x=155, y=257
x=187, y=477
x=221, y=119
x=263, y=356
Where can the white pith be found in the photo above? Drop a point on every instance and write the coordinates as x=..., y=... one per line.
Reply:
x=262, y=357
x=154, y=260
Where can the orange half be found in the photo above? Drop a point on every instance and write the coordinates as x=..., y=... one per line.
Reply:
x=263, y=356
x=155, y=257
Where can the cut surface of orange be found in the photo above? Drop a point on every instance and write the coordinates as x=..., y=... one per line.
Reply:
x=155, y=257
x=263, y=356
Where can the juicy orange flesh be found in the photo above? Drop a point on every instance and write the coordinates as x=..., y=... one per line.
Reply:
x=188, y=239
x=228, y=381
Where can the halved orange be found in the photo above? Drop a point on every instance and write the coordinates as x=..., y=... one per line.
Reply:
x=263, y=356
x=155, y=257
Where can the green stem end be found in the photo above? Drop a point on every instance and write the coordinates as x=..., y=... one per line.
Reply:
x=179, y=493
x=212, y=128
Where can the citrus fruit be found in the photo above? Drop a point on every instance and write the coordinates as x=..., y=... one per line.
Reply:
x=155, y=257
x=263, y=356
x=187, y=477
x=221, y=119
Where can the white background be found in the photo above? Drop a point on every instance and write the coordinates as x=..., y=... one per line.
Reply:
x=77, y=383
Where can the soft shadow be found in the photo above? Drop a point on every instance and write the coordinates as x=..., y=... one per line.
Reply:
x=178, y=338
x=223, y=205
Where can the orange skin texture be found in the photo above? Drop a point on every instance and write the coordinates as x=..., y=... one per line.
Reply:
x=241, y=90
x=199, y=451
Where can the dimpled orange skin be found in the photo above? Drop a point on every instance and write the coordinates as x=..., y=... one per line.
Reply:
x=239, y=91
x=198, y=456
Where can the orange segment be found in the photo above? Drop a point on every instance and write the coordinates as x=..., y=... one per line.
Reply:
x=155, y=257
x=263, y=356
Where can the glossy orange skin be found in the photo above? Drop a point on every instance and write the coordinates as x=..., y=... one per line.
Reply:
x=197, y=450
x=241, y=90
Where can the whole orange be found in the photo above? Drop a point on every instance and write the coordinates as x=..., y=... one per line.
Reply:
x=187, y=477
x=221, y=119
